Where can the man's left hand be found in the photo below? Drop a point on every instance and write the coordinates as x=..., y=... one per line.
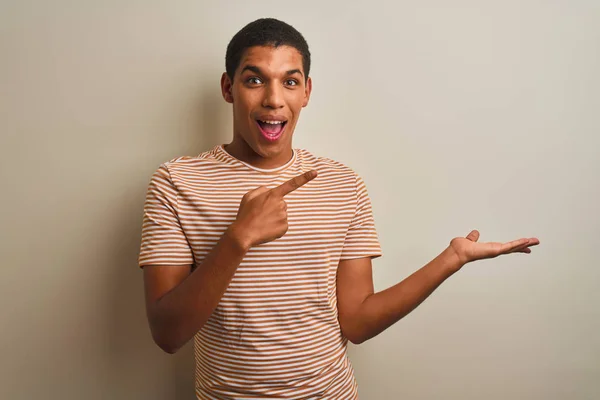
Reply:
x=467, y=249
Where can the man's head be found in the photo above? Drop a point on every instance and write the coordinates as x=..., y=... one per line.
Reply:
x=267, y=81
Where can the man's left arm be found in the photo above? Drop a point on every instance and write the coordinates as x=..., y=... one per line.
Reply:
x=364, y=314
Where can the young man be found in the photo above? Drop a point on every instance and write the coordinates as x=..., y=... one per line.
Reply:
x=262, y=252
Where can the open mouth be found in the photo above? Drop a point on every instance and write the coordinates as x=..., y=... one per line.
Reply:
x=271, y=130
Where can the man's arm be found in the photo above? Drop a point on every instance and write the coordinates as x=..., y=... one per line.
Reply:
x=364, y=314
x=178, y=303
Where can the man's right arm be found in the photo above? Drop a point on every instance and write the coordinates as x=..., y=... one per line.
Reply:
x=179, y=301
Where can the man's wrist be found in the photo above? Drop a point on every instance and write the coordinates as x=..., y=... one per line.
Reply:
x=452, y=259
x=235, y=234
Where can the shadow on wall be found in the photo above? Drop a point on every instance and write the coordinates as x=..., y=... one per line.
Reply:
x=133, y=354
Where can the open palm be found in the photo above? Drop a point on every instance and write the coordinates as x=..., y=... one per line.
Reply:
x=468, y=249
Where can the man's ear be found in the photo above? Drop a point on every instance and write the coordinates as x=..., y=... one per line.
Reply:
x=307, y=91
x=226, y=87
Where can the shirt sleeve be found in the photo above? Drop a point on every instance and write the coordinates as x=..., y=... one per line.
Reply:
x=361, y=239
x=163, y=240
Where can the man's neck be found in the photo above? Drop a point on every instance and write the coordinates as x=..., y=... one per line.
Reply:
x=240, y=150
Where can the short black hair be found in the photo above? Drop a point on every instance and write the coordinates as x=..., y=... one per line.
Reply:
x=265, y=32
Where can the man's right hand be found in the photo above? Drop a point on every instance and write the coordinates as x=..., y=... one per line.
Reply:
x=262, y=216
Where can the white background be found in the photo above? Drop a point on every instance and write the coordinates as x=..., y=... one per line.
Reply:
x=459, y=115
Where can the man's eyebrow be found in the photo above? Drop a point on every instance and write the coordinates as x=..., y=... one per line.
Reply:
x=295, y=71
x=252, y=68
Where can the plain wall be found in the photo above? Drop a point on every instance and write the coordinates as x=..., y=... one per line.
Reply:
x=459, y=115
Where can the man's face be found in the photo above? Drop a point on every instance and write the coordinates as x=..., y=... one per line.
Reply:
x=268, y=92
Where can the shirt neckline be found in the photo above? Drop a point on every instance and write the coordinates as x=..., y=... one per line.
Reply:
x=224, y=153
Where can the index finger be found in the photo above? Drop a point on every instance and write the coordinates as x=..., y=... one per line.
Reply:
x=294, y=183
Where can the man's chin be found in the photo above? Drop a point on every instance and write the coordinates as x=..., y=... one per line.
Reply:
x=256, y=143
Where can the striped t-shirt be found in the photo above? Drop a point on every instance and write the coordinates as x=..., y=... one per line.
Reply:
x=275, y=332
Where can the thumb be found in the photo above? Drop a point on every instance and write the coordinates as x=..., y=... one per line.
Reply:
x=473, y=236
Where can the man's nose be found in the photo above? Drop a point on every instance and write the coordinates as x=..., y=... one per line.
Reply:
x=273, y=96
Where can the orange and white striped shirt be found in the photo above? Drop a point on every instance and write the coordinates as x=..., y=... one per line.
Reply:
x=275, y=332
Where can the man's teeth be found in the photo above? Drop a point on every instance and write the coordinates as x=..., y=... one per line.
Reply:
x=272, y=122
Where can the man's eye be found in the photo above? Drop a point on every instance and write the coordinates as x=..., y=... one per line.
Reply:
x=254, y=80
x=291, y=82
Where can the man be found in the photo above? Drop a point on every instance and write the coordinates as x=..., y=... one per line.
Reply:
x=262, y=252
